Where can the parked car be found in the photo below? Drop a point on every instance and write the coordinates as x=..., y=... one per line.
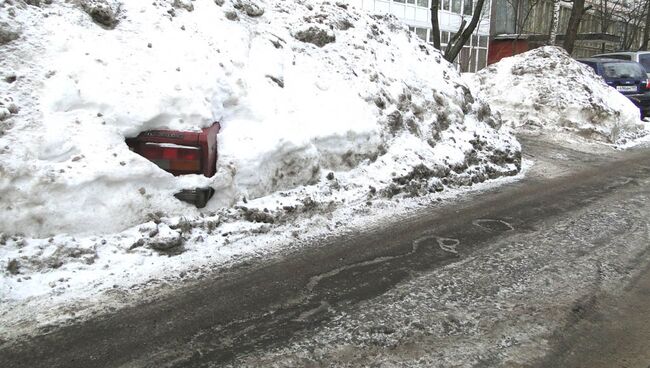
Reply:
x=628, y=77
x=641, y=57
x=181, y=153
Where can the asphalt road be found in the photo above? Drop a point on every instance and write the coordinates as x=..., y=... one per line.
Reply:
x=262, y=307
x=613, y=333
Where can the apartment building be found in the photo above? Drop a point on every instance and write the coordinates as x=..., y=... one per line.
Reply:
x=520, y=25
x=417, y=15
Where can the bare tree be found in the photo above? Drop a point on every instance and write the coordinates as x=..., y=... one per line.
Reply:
x=605, y=11
x=624, y=18
x=646, y=29
x=522, y=11
x=577, y=12
x=554, y=22
x=435, y=24
x=632, y=17
x=463, y=34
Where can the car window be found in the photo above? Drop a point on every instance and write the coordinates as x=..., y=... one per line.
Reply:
x=644, y=59
x=617, y=56
x=623, y=70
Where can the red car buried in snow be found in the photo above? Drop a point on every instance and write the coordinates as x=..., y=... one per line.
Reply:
x=181, y=153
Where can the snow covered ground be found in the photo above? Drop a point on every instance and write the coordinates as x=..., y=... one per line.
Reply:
x=331, y=119
x=546, y=89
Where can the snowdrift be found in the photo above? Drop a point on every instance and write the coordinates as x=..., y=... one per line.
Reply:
x=301, y=88
x=547, y=89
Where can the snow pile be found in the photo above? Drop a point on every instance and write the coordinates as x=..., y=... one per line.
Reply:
x=546, y=89
x=330, y=118
x=300, y=88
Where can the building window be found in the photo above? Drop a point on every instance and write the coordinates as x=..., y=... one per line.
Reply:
x=444, y=37
x=483, y=41
x=467, y=7
x=504, y=19
x=421, y=32
x=472, y=59
x=422, y=3
x=455, y=6
x=473, y=56
x=482, y=58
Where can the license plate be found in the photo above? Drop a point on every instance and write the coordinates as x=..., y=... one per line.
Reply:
x=626, y=88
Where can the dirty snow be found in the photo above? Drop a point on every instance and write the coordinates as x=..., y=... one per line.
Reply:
x=545, y=89
x=330, y=118
x=291, y=110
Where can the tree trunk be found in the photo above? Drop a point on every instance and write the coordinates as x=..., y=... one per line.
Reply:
x=555, y=22
x=435, y=24
x=646, y=30
x=453, y=51
x=518, y=29
x=574, y=22
x=455, y=37
x=630, y=36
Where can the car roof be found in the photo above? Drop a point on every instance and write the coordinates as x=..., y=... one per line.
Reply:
x=624, y=53
x=605, y=60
